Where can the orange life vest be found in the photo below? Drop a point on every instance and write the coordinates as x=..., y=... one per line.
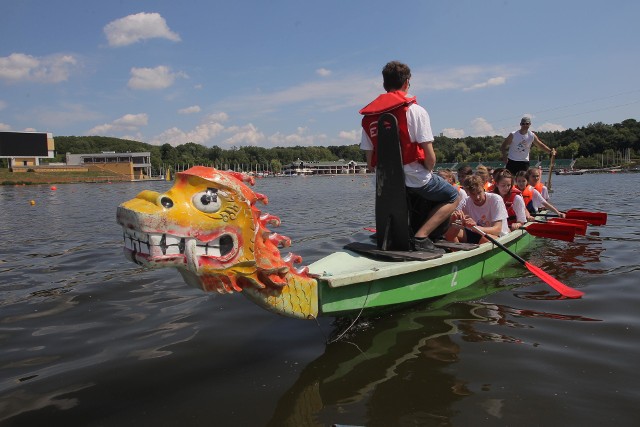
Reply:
x=539, y=186
x=396, y=103
x=527, y=195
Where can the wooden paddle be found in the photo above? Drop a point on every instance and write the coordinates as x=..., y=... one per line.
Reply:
x=563, y=289
x=553, y=157
x=593, y=218
x=564, y=232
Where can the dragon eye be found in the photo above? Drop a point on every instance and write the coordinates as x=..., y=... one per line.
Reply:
x=207, y=201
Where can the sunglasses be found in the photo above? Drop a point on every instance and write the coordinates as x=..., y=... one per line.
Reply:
x=525, y=124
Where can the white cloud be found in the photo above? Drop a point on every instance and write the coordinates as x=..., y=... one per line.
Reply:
x=323, y=72
x=217, y=117
x=481, y=127
x=324, y=96
x=160, y=77
x=245, y=135
x=354, y=91
x=453, y=133
x=3, y=105
x=134, y=28
x=4, y=127
x=550, y=127
x=202, y=134
x=190, y=110
x=126, y=123
x=352, y=136
x=301, y=137
x=462, y=78
x=50, y=69
x=29, y=130
x=494, y=81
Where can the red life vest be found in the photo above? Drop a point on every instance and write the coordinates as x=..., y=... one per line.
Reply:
x=396, y=103
x=508, y=203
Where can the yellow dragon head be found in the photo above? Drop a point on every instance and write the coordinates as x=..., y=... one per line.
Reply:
x=208, y=226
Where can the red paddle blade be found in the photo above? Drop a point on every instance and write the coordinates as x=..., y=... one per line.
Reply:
x=579, y=225
x=552, y=231
x=563, y=289
x=593, y=218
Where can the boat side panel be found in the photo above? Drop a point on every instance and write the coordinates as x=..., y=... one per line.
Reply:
x=417, y=285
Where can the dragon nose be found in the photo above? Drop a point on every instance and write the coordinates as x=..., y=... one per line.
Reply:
x=155, y=198
x=166, y=202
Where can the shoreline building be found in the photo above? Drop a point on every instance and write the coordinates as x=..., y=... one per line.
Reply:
x=137, y=166
x=340, y=167
x=25, y=149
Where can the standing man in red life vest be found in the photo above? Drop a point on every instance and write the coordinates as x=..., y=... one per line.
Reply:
x=416, y=142
x=515, y=147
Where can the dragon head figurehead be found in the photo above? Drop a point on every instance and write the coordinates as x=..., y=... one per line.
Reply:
x=208, y=226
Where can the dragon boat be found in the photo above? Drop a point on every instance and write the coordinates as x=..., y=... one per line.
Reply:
x=209, y=227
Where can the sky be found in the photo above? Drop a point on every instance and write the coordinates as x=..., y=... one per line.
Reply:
x=284, y=73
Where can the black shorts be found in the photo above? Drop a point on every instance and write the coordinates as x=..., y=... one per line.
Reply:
x=515, y=166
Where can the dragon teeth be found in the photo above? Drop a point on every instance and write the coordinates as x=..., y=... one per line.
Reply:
x=159, y=244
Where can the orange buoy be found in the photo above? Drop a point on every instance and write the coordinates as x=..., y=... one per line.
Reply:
x=33, y=202
x=53, y=188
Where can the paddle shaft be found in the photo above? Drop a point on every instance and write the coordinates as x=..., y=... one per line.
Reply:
x=500, y=245
x=563, y=289
x=553, y=157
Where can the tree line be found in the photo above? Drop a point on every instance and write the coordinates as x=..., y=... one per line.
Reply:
x=586, y=144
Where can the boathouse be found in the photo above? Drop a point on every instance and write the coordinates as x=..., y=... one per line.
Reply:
x=340, y=167
x=136, y=166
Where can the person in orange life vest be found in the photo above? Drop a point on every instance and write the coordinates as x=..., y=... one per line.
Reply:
x=512, y=198
x=533, y=200
x=534, y=178
x=484, y=210
x=483, y=173
x=515, y=148
x=416, y=142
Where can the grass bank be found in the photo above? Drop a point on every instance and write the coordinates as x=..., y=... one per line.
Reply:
x=32, y=178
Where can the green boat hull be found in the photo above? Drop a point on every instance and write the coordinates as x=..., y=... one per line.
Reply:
x=344, y=290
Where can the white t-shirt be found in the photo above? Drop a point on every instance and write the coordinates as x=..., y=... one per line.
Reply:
x=545, y=192
x=520, y=146
x=419, y=124
x=520, y=209
x=492, y=210
x=537, y=199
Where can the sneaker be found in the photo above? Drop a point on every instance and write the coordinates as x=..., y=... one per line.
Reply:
x=423, y=244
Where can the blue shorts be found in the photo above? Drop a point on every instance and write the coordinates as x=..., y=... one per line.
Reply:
x=437, y=190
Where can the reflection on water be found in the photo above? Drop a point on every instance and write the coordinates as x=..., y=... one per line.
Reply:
x=360, y=376
x=88, y=338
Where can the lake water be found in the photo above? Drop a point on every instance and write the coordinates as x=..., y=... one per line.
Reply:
x=88, y=338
